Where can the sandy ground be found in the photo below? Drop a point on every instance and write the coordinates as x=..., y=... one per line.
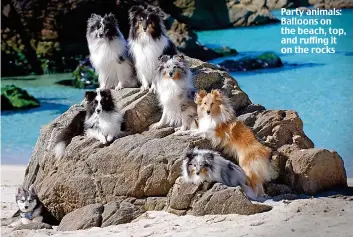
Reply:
x=307, y=217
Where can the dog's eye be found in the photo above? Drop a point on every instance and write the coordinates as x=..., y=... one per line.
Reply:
x=22, y=201
x=30, y=201
x=96, y=101
x=211, y=104
x=205, y=103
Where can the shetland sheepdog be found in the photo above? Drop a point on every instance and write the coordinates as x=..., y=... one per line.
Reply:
x=205, y=165
x=175, y=90
x=102, y=121
x=148, y=42
x=217, y=122
x=109, y=53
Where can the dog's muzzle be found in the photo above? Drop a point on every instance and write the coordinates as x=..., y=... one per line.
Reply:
x=144, y=26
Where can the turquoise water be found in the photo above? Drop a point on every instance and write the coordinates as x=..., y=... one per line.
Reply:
x=319, y=88
x=20, y=130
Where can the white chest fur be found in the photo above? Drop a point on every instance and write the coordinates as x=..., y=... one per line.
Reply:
x=104, y=52
x=207, y=124
x=106, y=124
x=146, y=52
x=105, y=57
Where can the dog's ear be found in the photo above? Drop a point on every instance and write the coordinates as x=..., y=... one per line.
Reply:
x=93, y=19
x=217, y=94
x=164, y=58
x=32, y=190
x=111, y=18
x=90, y=95
x=159, y=12
x=20, y=189
x=199, y=96
x=179, y=57
x=134, y=11
x=95, y=16
x=209, y=156
x=189, y=155
x=105, y=93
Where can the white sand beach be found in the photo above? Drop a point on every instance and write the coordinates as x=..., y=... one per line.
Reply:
x=307, y=217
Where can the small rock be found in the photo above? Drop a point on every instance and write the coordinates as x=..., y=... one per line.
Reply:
x=263, y=61
x=119, y=213
x=82, y=218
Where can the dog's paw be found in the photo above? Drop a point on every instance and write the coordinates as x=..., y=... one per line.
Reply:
x=195, y=134
x=118, y=87
x=156, y=126
x=179, y=133
x=144, y=88
x=110, y=138
x=153, y=90
x=103, y=140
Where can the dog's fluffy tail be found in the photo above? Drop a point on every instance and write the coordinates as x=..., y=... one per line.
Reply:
x=59, y=150
x=263, y=169
x=64, y=138
x=258, y=167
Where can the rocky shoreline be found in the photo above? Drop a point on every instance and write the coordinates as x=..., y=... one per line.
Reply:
x=332, y=216
x=139, y=171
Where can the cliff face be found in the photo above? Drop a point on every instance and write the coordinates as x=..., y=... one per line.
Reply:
x=142, y=168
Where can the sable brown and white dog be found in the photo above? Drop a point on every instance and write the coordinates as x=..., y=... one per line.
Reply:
x=148, y=42
x=217, y=122
x=109, y=53
x=205, y=165
x=175, y=90
x=102, y=121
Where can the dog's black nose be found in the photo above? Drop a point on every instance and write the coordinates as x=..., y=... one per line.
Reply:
x=26, y=207
x=208, y=111
x=100, y=35
x=98, y=111
x=170, y=74
x=198, y=172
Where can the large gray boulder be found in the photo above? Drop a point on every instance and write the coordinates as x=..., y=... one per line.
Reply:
x=141, y=167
